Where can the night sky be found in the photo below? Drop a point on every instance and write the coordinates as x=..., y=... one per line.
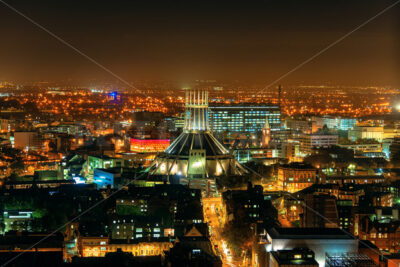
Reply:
x=185, y=40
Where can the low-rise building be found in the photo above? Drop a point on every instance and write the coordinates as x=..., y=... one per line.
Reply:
x=319, y=240
x=296, y=176
x=385, y=235
x=366, y=132
x=248, y=205
x=299, y=257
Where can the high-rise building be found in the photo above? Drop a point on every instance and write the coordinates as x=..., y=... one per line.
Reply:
x=394, y=147
x=27, y=141
x=244, y=118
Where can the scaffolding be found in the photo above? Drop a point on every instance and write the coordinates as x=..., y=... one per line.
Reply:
x=348, y=260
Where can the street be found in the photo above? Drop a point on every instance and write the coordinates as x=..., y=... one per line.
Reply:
x=213, y=215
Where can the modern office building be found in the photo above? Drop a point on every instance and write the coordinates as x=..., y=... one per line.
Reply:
x=367, y=132
x=100, y=162
x=244, y=118
x=333, y=122
x=370, y=146
x=347, y=123
x=113, y=177
x=303, y=125
x=319, y=139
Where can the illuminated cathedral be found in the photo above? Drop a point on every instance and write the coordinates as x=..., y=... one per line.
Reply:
x=196, y=155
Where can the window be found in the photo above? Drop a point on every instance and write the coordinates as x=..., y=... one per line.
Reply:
x=196, y=251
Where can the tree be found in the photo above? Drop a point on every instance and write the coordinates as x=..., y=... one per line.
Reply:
x=2, y=227
x=320, y=160
x=238, y=235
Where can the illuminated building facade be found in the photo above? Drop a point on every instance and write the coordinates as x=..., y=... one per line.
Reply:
x=266, y=134
x=303, y=125
x=148, y=145
x=244, y=118
x=367, y=132
x=332, y=122
x=196, y=153
x=296, y=176
x=385, y=235
x=294, y=257
x=15, y=220
x=317, y=140
x=99, y=246
x=319, y=240
x=27, y=141
x=100, y=162
x=371, y=147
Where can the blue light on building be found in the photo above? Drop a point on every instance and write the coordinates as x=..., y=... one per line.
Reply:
x=347, y=123
x=103, y=178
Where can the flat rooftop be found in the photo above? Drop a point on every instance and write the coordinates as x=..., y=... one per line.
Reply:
x=308, y=233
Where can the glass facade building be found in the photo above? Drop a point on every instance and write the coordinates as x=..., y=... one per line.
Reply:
x=244, y=118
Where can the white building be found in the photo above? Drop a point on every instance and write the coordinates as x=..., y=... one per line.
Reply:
x=319, y=240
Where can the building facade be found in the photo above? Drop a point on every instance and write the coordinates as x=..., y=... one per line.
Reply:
x=244, y=118
x=296, y=176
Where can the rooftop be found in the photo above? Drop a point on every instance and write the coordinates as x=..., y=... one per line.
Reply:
x=196, y=141
x=308, y=233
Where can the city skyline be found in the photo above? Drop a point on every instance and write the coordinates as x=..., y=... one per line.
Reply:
x=176, y=133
